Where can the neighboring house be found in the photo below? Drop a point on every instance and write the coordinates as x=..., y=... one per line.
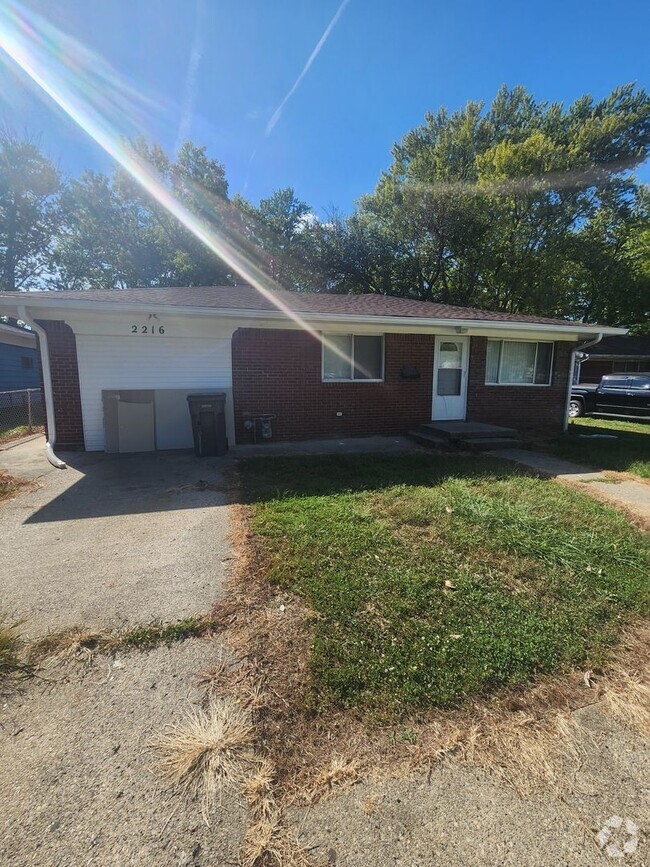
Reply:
x=619, y=354
x=293, y=365
x=19, y=363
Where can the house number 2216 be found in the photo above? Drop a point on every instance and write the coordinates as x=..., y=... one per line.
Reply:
x=147, y=329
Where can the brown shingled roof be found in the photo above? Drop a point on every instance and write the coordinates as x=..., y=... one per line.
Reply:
x=246, y=297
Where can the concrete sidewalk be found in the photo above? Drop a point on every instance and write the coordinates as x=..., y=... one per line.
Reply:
x=333, y=446
x=632, y=496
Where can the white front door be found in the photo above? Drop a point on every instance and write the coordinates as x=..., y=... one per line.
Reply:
x=450, y=361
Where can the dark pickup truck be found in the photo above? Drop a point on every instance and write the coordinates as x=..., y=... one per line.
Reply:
x=616, y=394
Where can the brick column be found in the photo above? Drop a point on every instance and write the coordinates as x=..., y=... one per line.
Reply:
x=64, y=371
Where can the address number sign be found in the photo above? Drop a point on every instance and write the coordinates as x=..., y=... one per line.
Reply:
x=147, y=329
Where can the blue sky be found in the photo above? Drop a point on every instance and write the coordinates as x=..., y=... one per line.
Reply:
x=215, y=71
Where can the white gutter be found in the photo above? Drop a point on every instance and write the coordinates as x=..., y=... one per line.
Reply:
x=47, y=388
x=578, y=348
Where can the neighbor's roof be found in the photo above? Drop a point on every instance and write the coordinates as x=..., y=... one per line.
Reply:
x=623, y=346
x=9, y=333
x=246, y=298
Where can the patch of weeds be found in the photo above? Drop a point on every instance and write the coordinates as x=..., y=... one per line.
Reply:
x=153, y=634
x=12, y=665
x=82, y=645
x=10, y=485
x=15, y=433
x=527, y=733
x=74, y=644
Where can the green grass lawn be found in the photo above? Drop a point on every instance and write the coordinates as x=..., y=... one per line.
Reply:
x=629, y=453
x=437, y=578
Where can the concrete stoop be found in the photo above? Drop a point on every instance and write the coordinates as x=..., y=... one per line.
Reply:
x=466, y=436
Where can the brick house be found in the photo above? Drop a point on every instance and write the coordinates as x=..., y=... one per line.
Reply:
x=298, y=365
x=619, y=354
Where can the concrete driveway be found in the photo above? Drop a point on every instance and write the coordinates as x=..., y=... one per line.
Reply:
x=114, y=540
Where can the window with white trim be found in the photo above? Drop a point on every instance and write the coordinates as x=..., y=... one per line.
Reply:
x=353, y=357
x=518, y=362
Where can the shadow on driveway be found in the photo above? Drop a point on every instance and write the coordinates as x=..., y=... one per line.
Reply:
x=134, y=484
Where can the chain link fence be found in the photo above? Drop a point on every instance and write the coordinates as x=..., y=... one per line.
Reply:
x=21, y=412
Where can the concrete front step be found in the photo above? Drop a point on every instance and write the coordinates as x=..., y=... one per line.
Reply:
x=464, y=430
x=426, y=438
x=486, y=444
x=474, y=444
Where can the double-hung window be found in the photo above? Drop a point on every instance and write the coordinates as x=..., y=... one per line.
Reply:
x=353, y=357
x=518, y=362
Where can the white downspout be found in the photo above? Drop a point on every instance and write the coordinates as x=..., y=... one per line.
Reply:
x=47, y=388
x=578, y=348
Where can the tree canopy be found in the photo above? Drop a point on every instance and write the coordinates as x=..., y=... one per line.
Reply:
x=519, y=205
x=115, y=234
x=29, y=212
x=523, y=207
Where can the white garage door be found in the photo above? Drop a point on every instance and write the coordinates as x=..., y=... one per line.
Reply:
x=183, y=363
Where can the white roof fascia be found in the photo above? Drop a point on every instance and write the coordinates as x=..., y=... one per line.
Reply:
x=47, y=305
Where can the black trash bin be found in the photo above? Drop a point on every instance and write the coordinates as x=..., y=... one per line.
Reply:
x=208, y=412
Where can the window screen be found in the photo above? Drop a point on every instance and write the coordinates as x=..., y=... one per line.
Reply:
x=543, y=365
x=515, y=362
x=337, y=356
x=492, y=361
x=353, y=357
x=368, y=357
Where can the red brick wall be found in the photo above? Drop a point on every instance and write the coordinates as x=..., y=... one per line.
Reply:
x=526, y=408
x=65, y=384
x=279, y=372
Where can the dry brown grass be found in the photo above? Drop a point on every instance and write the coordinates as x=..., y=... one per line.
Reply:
x=214, y=680
x=339, y=773
x=527, y=750
x=13, y=666
x=75, y=644
x=11, y=485
x=370, y=804
x=210, y=749
x=626, y=688
x=270, y=841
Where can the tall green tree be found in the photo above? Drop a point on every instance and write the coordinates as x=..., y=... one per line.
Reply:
x=498, y=207
x=29, y=213
x=106, y=238
x=116, y=234
x=280, y=238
